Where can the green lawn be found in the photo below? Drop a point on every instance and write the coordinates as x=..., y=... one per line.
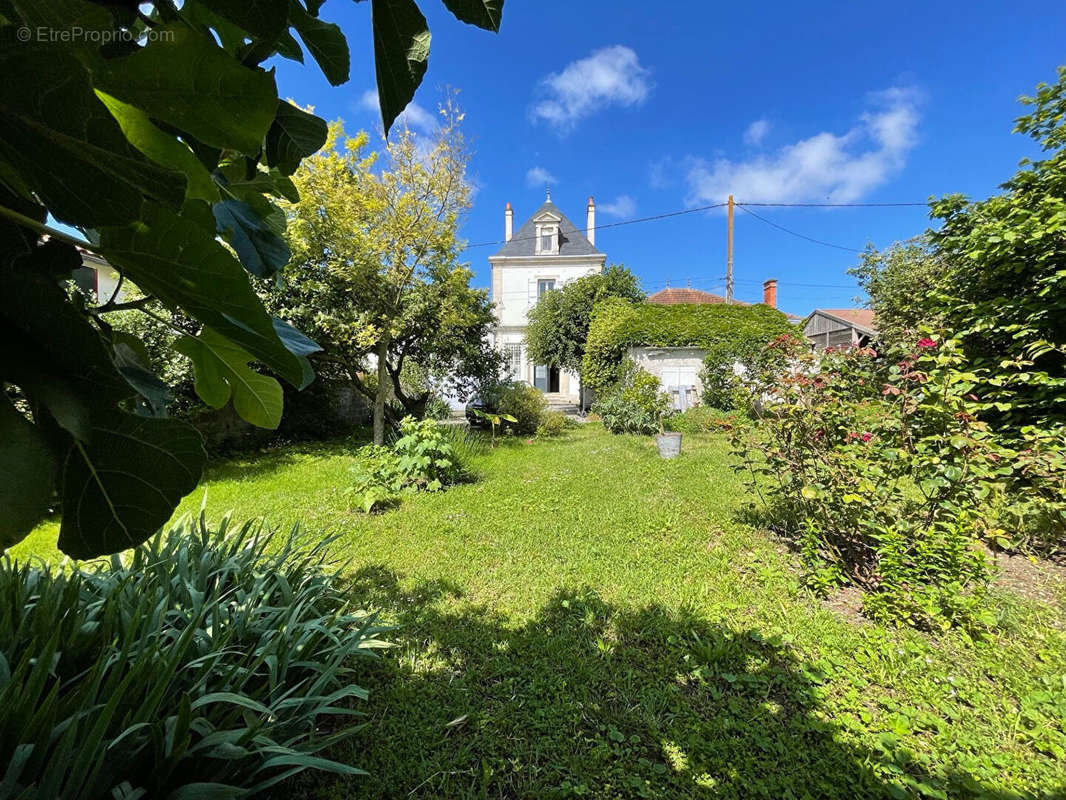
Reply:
x=587, y=620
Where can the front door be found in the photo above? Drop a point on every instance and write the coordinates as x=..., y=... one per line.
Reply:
x=546, y=378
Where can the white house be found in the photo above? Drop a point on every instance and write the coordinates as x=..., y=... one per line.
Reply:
x=546, y=253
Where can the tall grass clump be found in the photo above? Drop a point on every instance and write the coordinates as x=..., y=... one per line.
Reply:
x=215, y=663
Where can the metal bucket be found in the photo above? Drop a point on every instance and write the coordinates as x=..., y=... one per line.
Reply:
x=669, y=444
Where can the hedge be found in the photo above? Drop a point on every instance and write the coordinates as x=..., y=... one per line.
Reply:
x=618, y=325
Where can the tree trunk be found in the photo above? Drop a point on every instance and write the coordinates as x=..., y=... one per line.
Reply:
x=382, y=391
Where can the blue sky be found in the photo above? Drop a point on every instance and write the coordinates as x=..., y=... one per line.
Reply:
x=654, y=108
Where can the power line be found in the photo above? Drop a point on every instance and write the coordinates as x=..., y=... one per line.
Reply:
x=794, y=233
x=833, y=205
x=609, y=224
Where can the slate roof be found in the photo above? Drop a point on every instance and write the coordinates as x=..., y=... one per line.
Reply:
x=572, y=241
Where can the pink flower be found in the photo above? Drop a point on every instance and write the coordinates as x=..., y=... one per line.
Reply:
x=867, y=436
x=925, y=343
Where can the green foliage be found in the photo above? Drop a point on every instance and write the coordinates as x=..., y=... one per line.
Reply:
x=164, y=140
x=731, y=366
x=1034, y=517
x=421, y=459
x=879, y=469
x=636, y=404
x=553, y=423
x=618, y=325
x=523, y=407
x=208, y=666
x=558, y=325
x=702, y=419
x=495, y=420
x=437, y=408
x=906, y=283
x=1006, y=264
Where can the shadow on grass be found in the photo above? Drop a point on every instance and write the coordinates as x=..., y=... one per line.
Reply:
x=588, y=699
x=271, y=458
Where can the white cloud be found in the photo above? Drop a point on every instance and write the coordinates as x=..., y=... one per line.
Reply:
x=756, y=132
x=623, y=206
x=609, y=76
x=414, y=116
x=538, y=177
x=826, y=167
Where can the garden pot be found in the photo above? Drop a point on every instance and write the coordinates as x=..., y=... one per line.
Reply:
x=669, y=444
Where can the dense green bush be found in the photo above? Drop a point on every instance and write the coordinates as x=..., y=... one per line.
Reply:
x=215, y=664
x=879, y=468
x=702, y=419
x=553, y=423
x=421, y=459
x=1034, y=518
x=525, y=403
x=618, y=325
x=727, y=387
x=636, y=404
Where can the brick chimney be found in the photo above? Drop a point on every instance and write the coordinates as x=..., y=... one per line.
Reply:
x=590, y=221
x=769, y=292
x=508, y=222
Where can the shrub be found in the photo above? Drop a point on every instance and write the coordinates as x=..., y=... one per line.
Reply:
x=552, y=424
x=702, y=419
x=618, y=325
x=437, y=408
x=1034, y=519
x=636, y=405
x=732, y=368
x=209, y=666
x=421, y=459
x=878, y=468
x=526, y=404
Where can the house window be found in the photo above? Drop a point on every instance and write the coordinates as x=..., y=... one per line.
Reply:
x=547, y=239
x=545, y=285
x=513, y=354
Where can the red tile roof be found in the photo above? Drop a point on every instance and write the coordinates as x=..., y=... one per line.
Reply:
x=671, y=296
x=863, y=317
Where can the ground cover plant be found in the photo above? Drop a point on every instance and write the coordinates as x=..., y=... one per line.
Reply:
x=588, y=620
x=182, y=673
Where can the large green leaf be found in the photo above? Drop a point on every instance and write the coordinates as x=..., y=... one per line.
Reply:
x=62, y=142
x=325, y=42
x=185, y=79
x=262, y=251
x=26, y=475
x=222, y=371
x=401, y=54
x=182, y=264
x=121, y=486
x=483, y=13
x=161, y=147
x=266, y=19
x=293, y=135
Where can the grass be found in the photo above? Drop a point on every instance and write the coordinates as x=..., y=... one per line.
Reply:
x=588, y=620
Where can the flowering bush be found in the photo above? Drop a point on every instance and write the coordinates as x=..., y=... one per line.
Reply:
x=878, y=466
x=730, y=368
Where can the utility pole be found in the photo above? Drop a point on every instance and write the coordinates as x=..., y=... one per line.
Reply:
x=729, y=257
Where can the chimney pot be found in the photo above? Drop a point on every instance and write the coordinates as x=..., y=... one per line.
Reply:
x=508, y=219
x=590, y=221
x=769, y=292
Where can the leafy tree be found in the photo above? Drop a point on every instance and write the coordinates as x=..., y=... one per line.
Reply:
x=905, y=283
x=155, y=141
x=375, y=275
x=1006, y=290
x=559, y=322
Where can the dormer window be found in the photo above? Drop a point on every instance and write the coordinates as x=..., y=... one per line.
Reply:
x=547, y=238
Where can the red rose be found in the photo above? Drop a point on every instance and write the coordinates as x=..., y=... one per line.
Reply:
x=925, y=343
x=867, y=436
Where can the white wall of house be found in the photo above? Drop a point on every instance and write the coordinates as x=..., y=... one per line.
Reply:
x=678, y=371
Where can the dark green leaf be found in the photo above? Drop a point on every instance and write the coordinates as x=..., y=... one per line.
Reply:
x=26, y=475
x=126, y=482
x=135, y=366
x=58, y=138
x=184, y=79
x=222, y=371
x=325, y=43
x=260, y=249
x=483, y=13
x=401, y=54
x=181, y=263
x=263, y=18
x=294, y=135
